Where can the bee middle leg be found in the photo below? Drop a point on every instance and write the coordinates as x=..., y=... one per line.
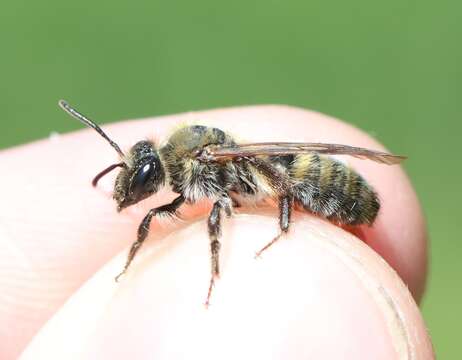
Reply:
x=285, y=212
x=214, y=228
x=143, y=229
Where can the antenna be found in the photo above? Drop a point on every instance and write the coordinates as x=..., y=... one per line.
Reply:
x=74, y=113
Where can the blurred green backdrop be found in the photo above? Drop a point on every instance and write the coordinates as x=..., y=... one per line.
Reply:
x=392, y=68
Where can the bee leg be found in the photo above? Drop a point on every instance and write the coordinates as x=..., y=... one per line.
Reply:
x=143, y=229
x=227, y=205
x=285, y=211
x=214, y=233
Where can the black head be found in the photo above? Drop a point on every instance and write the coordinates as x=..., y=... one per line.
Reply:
x=142, y=176
x=142, y=173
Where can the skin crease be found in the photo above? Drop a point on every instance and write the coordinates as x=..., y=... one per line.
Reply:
x=59, y=231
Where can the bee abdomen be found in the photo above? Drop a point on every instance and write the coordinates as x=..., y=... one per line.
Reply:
x=331, y=189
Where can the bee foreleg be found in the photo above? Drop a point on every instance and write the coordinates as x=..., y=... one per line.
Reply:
x=285, y=211
x=214, y=228
x=143, y=229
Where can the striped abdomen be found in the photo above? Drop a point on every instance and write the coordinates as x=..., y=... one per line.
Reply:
x=331, y=189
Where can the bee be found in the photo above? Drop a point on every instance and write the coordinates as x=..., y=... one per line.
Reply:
x=200, y=162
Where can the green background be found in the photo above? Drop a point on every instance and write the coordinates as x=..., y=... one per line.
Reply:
x=392, y=68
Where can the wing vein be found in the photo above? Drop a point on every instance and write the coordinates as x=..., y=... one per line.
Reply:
x=288, y=148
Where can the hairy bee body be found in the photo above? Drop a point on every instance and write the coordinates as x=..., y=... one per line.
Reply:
x=204, y=162
x=320, y=184
x=189, y=176
x=329, y=188
x=196, y=179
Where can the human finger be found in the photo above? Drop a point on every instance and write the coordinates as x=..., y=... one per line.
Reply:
x=315, y=287
x=56, y=230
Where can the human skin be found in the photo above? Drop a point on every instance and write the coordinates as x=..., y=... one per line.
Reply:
x=316, y=287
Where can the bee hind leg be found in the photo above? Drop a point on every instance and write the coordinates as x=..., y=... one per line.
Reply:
x=214, y=229
x=285, y=212
x=143, y=229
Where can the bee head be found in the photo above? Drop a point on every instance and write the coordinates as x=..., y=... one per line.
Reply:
x=142, y=173
x=141, y=176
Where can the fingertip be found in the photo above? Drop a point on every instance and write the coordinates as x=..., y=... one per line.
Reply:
x=316, y=286
x=59, y=204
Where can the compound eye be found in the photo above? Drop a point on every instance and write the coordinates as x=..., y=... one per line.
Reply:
x=138, y=185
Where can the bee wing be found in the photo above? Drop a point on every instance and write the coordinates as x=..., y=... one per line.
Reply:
x=287, y=148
